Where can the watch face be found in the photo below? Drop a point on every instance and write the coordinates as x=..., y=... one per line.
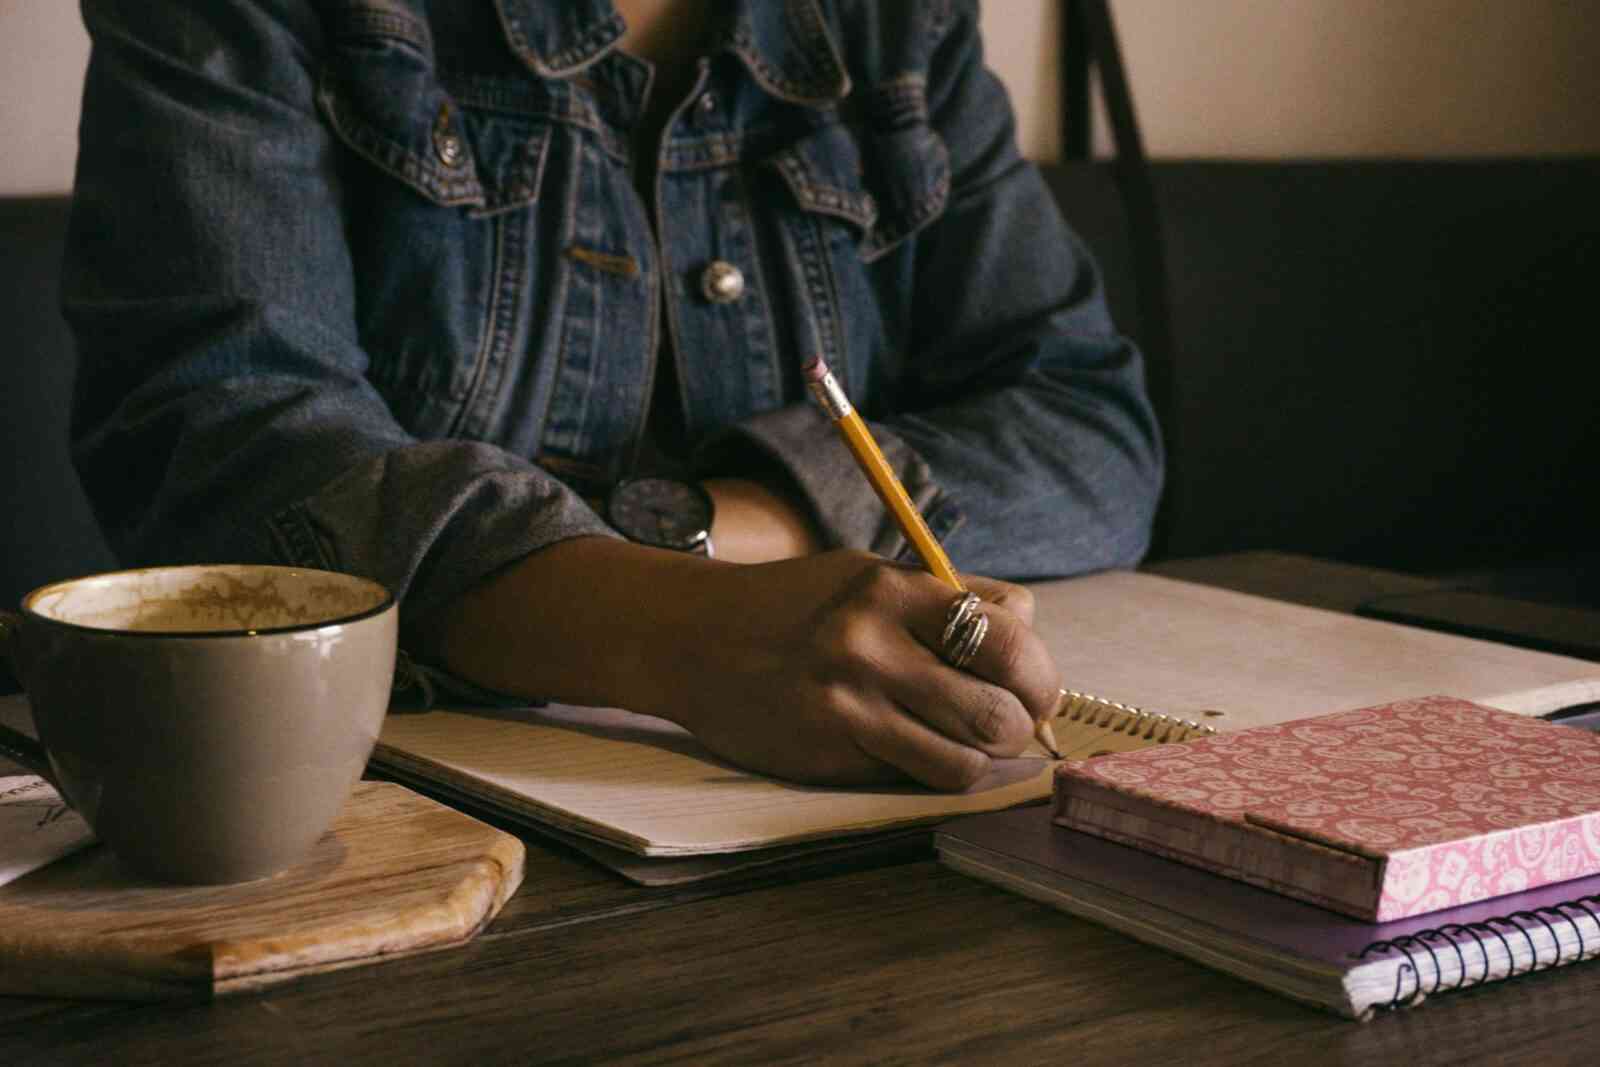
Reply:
x=660, y=511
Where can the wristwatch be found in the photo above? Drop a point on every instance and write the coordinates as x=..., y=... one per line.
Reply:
x=663, y=512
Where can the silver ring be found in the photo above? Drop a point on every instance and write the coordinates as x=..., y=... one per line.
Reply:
x=961, y=610
x=972, y=637
x=964, y=632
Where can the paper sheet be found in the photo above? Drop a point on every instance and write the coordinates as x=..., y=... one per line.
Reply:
x=36, y=828
x=646, y=785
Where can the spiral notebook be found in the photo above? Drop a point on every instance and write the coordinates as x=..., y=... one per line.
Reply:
x=643, y=796
x=1333, y=962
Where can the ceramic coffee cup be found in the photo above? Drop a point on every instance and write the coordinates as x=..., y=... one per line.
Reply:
x=207, y=721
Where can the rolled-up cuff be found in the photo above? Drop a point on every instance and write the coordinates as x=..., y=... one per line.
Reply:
x=809, y=449
x=431, y=520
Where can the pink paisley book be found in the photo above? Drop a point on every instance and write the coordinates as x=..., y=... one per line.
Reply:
x=1379, y=813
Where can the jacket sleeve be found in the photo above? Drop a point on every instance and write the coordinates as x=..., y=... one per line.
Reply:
x=1022, y=430
x=223, y=411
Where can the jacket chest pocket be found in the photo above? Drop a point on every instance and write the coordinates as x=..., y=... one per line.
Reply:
x=859, y=195
x=436, y=195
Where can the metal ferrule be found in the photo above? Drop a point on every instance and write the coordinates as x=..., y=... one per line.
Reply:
x=831, y=396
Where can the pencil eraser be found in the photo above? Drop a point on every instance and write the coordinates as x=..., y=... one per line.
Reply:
x=814, y=369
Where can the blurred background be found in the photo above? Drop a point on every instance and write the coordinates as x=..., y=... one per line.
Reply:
x=1215, y=79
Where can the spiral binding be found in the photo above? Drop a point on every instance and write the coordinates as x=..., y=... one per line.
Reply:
x=1090, y=710
x=1461, y=935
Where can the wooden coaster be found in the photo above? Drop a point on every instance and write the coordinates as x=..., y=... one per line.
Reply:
x=397, y=875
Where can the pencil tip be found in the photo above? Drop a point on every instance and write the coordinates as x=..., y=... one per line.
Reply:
x=1046, y=736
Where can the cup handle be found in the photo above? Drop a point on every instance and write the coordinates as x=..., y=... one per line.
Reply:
x=14, y=744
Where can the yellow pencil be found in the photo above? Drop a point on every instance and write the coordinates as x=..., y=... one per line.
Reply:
x=830, y=395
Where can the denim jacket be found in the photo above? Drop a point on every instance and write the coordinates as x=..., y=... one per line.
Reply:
x=367, y=285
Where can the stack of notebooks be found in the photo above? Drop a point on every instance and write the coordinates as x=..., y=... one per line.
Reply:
x=1356, y=861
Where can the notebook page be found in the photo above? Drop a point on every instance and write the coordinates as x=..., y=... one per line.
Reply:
x=1184, y=649
x=646, y=785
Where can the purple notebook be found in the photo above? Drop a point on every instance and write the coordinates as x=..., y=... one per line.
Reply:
x=1302, y=951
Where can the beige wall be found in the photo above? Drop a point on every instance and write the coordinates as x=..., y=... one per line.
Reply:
x=1365, y=77
x=1211, y=78
x=43, y=50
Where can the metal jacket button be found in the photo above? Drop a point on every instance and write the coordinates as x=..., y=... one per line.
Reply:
x=445, y=142
x=722, y=282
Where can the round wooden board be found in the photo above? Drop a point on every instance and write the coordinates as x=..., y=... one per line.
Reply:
x=398, y=874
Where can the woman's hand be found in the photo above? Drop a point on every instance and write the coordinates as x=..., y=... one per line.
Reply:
x=827, y=670
x=823, y=669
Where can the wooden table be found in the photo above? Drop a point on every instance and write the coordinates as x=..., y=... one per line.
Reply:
x=904, y=963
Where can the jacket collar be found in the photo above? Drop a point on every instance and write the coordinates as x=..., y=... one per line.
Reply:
x=789, y=50
x=785, y=44
x=559, y=38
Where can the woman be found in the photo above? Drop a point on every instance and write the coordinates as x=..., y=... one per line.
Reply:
x=417, y=291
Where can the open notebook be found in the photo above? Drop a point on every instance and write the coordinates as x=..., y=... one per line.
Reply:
x=1192, y=656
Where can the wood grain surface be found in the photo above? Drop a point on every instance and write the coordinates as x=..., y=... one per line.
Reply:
x=909, y=964
x=397, y=874
x=904, y=963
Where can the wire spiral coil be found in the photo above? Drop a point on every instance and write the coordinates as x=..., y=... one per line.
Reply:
x=1514, y=928
x=1090, y=710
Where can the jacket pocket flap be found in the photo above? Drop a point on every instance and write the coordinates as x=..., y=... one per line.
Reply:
x=383, y=95
x=823, y=172
x=380, y=95
x=888, y=185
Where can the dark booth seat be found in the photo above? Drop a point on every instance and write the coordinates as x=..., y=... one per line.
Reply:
x=49, y=531
x=1391, y=363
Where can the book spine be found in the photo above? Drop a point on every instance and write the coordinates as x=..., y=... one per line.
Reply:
x=1330, y=878
x=1249, y=962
